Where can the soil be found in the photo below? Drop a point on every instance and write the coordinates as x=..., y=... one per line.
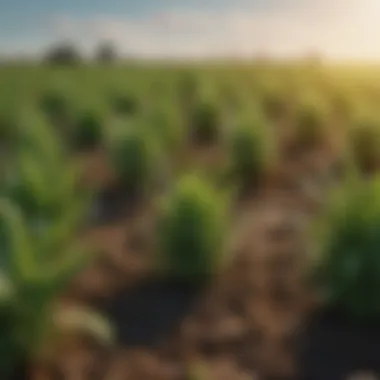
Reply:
x=334, y=347
x=244, y=325
x=20, y=372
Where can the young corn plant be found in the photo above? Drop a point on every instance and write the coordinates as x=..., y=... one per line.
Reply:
x=364, y=144
x=188, y=88
x=57, y=105
x=136, y=157
x=347, y=264
x=36, y=268
x=124, y=103
x=88, y=128
x=275, y=104
x=310, y=125
x=165, y=124
x=41, y=178
x=192, y=228
x=40, y=213
x=343, y=103
x=252, y=152
x=205, y=122
x=8, y=126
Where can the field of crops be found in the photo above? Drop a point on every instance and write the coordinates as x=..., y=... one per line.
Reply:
x=210, y=222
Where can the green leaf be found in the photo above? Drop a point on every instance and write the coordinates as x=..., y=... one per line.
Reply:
x=23, y=265
x=58, y=273
x=84, y=320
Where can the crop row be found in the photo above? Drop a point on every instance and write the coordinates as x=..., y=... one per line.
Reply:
x=44, y=205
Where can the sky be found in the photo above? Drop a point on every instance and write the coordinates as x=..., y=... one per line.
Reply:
x=338, y=29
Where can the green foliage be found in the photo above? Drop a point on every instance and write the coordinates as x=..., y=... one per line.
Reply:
x=347, y=262
x=364, y=144
x=135, y=156
x=205, y=123
x=311, y=123
x=41, y=209
x=8, y=125
x=125, y=103
x=191, y=230
x=85, y=320
x=252, y=151
x=88, y=129
x=188, y=87
x=164, y=124
x=274, y=102
x=343, y=103
x=57, y=105
x=37, y=266
x=41, y=178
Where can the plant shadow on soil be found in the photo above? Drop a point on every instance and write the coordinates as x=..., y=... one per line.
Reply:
x=151, y=312
x=112, y=204
x=21, y=371
x=333, y=348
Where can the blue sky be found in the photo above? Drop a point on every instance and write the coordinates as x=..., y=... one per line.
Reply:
x=189, y=28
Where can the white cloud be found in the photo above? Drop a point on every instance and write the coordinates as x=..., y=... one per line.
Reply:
x=336, y=28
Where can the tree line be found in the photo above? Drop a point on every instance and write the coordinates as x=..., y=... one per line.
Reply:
x=67, y=53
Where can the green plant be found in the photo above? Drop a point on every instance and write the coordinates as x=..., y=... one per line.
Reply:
x=8, y=126
x=88, y=129
x=342, y=103
x=191, y=230
x=125, y=103
x=35, y=268
x=57, y=105
x=275, y=103
x=41, y=178
x=347, y=264
x=164, y=123
x=41, y=209
x=364, y=144
x=188, y=87
x=311, y=122
x=252, y=151
x=205, y=123
x=134, y=155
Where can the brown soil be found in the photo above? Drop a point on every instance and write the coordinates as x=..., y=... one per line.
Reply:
x=244, y=326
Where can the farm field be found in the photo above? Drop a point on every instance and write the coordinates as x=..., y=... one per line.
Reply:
x=203, y=222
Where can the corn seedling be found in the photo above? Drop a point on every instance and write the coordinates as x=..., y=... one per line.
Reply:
x=205, y=122
x=41, y=178
x=347, y=263
x=191, y=232
x=57, y=106
x=40, y=212
x=311, y=124
x=135, y=156
x=124, y=103
x=88, y=128
x=252, y=151
x=165, y=124
x=364, y=144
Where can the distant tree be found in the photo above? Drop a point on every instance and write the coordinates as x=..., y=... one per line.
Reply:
x=63, y=53
x=106, y=53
